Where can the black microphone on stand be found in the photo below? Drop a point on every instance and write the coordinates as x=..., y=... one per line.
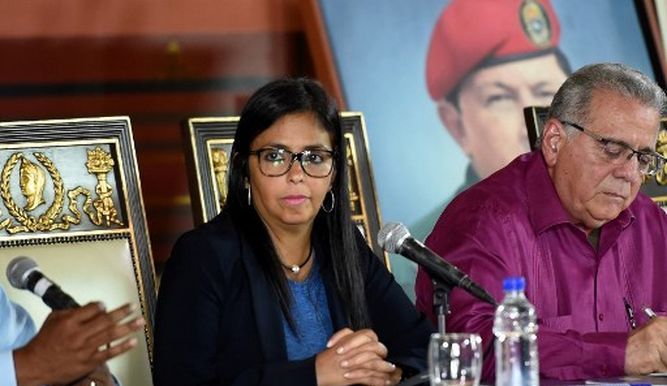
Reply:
x=23, y=273
x=395, y=238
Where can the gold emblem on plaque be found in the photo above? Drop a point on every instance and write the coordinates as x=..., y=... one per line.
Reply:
x=32, y=182
x=100, y=164
x=220, y=166
x=352, y=181
x=661, y=148
x=357, y=207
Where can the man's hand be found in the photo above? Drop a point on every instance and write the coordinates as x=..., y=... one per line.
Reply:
x=73, y=343
x=646, y=351
x=355, y=357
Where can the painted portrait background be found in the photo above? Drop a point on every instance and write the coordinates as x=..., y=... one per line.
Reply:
x=380, y=48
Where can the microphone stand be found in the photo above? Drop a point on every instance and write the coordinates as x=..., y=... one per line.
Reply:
x=441, y=290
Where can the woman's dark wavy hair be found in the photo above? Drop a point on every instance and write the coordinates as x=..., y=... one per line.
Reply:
x=333, y=231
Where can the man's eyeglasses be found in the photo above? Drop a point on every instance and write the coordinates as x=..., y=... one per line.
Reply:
x=275, y=162
x=618, y=152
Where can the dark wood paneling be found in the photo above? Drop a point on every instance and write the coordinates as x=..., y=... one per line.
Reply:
x=158, y=82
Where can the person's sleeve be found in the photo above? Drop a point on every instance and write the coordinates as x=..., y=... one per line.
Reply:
x=399, y=326
x=300, y=372
x=482, y=247
x=7, y=372
x=16, y=329
x=190, y=306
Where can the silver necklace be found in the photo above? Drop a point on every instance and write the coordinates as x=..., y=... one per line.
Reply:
x=296, y=268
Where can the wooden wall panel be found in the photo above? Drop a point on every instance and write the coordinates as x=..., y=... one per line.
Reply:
x=86, y=18
x=173, y=61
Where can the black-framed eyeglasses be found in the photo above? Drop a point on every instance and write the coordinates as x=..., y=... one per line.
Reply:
x=617, y=152
x=275, y=162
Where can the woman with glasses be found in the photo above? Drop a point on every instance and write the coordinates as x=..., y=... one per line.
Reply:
x=281, y=288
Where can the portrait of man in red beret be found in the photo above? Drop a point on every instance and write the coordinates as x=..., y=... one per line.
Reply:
x=486, y=61
x=442, y=85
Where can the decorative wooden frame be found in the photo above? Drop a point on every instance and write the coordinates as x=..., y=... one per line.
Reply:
x=70, y=198
x=207, y=137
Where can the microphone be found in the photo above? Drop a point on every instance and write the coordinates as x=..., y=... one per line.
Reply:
x=23, y=273
x=395, y=238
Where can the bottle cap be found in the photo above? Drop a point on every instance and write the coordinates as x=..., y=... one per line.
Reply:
x=517, y=283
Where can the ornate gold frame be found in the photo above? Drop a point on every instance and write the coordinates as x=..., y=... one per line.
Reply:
x=204, y=136
x=81, y=191
x=656, y=186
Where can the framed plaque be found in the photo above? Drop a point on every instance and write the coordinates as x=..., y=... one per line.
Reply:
x=70, y=199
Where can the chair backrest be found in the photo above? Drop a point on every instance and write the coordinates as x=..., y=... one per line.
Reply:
x=655, y=186
x=209, y=140
x=70, y=199
x=535, y=117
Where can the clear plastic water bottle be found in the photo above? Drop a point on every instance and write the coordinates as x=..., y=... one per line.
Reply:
x=515, y=328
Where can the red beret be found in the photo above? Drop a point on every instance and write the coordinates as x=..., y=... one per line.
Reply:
x=470, y=32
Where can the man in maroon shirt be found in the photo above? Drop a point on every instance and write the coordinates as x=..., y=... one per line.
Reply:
x=570, y=219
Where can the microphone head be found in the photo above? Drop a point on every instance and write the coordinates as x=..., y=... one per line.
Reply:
x=391, y=236
x=18, y=271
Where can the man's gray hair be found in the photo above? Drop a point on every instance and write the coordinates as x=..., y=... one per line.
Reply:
x=573, y=99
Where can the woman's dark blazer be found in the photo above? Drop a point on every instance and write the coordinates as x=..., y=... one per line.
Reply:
x=218, y=322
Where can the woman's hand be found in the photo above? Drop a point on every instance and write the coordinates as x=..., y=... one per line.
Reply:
x=355, y=357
